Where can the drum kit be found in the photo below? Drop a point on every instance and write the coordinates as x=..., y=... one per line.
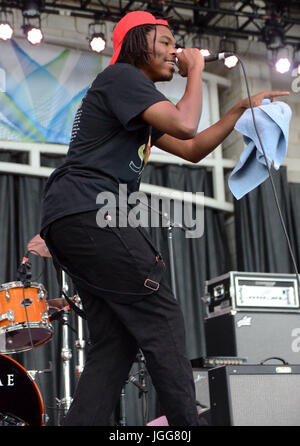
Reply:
x=25, y=324
x=26, y=317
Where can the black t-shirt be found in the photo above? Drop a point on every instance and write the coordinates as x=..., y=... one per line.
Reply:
x=108, y=144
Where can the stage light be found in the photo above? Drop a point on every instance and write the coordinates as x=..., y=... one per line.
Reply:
x=231, y=61
x=6, y=31
x=97, y=42
x=273, y=34
x=32, y=21
x=282, y=60
x=31, y=8
x=97, y=39
x=282, y=65
x=33, y=35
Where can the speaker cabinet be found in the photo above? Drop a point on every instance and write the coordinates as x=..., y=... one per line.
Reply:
x=254, y=336
x=251, y=395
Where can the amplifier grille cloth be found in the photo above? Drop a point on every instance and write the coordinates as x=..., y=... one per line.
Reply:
x=265, y=400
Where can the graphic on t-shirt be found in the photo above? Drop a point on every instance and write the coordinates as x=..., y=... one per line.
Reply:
x=76, y=124
x=143, y=153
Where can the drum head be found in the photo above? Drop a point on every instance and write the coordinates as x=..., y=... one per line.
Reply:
x=17, y=338
x=19, y=396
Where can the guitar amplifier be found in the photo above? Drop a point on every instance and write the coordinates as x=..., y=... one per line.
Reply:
x=261, y=395
x=244, y=291
x=253, y=316
x=255, y=336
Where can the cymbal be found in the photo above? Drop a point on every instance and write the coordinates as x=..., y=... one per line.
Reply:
x=38, y=246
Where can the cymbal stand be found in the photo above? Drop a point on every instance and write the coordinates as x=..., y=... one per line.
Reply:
x=80, y=342
x=66, y=353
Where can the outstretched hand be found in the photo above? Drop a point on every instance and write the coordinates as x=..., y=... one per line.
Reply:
x=258, y=98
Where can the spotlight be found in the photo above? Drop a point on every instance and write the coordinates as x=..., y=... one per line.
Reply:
x=33, y=34
x=231, y=61
x=32, y=21
x=282, y=60
x=6, y=31
x=282, y=65
x=6, y=18
x=97, y=40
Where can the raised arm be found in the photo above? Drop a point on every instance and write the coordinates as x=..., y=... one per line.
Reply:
x=181, y=120
x=198, y=147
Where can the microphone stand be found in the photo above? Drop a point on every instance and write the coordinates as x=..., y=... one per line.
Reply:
x=140, y=383
x=172, y=263
x=142, y=372
x=171, y=226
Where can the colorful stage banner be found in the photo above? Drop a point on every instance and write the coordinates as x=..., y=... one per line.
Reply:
x=41, y=89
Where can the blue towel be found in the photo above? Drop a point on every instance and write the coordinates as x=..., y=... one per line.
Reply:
x=272, y=121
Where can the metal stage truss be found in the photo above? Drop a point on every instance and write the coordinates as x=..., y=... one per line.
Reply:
x=244, y=19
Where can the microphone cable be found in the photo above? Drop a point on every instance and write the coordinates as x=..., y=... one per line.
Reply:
x=271, y=178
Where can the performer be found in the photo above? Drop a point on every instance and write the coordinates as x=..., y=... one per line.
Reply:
x=118, y=272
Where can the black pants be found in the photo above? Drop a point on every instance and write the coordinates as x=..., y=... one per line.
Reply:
x=109, y=267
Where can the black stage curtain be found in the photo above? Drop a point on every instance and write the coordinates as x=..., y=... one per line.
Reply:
x=260, y=241
x=196, y=260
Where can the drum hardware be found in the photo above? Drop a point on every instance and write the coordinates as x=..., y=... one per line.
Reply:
x=9, y=315
x=66, y=352
x=80, y=342
x=11, y=420
x=27, y=302
x=32, y=373
x=41, y=294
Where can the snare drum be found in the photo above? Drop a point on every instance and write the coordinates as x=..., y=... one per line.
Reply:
x=20, y=398
x=24, y=317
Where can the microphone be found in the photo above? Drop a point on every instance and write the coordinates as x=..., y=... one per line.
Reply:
x=218, y=56
x=24, y=270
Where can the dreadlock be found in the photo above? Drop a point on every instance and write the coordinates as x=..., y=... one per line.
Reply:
x=135, y=46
